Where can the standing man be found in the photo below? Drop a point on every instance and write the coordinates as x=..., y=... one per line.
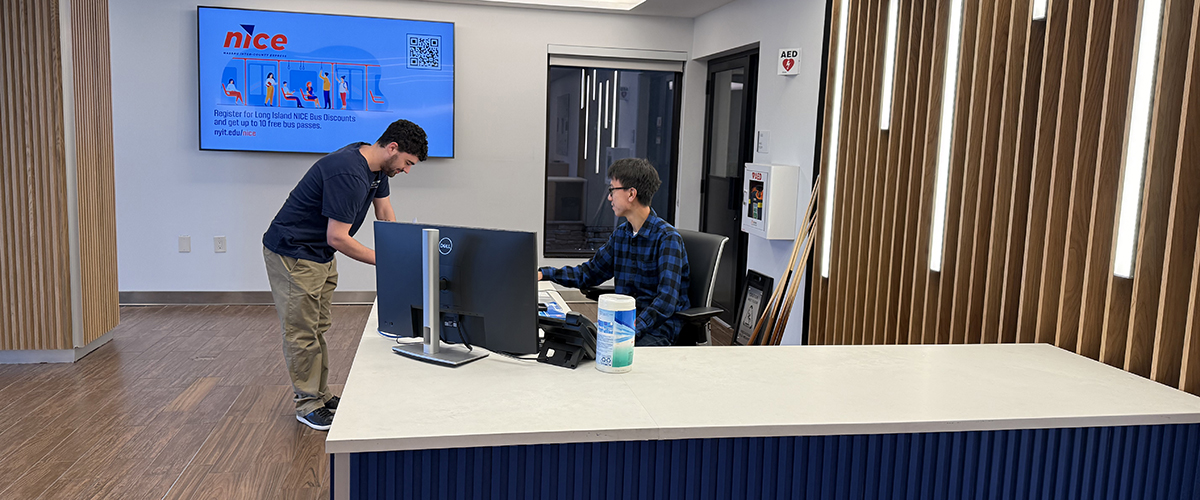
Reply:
x=325, y=79
x=319, y=218
x=645, y=256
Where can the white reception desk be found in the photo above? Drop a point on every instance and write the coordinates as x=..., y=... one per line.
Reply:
x=678, y=395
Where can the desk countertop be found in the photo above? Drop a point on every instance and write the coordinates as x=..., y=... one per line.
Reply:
x=396, y=403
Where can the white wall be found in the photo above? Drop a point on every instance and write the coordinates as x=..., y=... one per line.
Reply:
x=787, y=105
x=167, y=187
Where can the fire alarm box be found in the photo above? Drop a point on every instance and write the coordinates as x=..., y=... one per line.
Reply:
x=769, y=201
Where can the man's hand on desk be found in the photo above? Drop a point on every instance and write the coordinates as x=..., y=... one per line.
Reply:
x=539, y=276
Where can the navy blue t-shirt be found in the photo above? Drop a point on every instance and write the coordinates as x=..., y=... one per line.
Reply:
x=339, y=186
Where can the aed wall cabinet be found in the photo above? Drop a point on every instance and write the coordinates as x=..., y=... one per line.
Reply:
x=769, y=201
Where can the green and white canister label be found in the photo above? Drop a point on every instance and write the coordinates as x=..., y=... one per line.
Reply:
x=616, y=331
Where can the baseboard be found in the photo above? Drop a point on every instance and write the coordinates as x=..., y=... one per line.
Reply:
x=52, y=355
x=228, y=298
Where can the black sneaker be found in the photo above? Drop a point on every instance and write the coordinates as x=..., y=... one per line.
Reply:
x=332, y=404
x=319, y=419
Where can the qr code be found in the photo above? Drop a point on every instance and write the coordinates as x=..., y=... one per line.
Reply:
x=425, y=51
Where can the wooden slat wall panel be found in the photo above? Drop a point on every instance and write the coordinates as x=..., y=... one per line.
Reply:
x=968, y=299
x=1181, y=282
x=1084, y=177
x=963, y=185
x=911, y=126
x=896, y=182
x=1098, y=270
x=1038, y=137
x=94, y=163
x=1006, y=171
x=1062, y=168
x=1040, y=180
x=1156, y=197
x=923, y=282
x=34, y=261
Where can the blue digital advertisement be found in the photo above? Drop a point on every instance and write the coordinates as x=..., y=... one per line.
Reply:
x=312, y=83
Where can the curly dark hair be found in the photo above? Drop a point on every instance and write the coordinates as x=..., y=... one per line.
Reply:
x=409, y=136
x=636, y=173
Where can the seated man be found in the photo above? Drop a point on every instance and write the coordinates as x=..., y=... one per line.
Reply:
x=645, y=255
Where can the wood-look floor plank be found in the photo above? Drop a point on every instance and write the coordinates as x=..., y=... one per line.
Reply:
x=169, y=426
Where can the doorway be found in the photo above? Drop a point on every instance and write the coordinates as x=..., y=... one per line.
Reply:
x=729, y=133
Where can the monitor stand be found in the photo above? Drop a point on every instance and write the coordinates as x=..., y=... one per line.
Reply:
x=431, y=349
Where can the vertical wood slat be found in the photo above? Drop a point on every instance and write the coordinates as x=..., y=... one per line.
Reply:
x=911, y=131
x=1012, y=278
x=865, y=129
x=880, y=170
x=1098, y=269
x=1181, y=281
x=896, y=195
x=1057, y=20
x=95, y=167
x=819, y=286
x=959, y=127
x=1087, y=147
x=923, y=278
x=35, y=281
x=1006, y=170
x=987, y=38
x=969, y=307
x=836, y=308
x=1189, y=379
x=1062, y=169
x=1180, y=206
x=1156, y=194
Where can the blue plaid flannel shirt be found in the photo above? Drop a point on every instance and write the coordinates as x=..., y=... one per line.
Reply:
x=650, y=266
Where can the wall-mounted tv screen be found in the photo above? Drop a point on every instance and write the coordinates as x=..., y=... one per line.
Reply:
x=312, y=83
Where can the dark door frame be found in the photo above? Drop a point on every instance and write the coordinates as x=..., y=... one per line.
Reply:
x=748, y=59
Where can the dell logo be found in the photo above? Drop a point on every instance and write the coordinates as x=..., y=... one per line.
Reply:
x=445, y=246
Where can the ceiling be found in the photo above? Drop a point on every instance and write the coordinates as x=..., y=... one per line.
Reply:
x=669, y=8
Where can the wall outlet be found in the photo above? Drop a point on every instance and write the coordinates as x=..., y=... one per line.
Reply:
x=764, y=142
x=219, y=244
x=185, y=244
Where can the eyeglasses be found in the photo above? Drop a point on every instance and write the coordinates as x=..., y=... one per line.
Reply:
x=612, y=188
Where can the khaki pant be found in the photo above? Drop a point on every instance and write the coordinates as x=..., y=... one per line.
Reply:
x=303, y=293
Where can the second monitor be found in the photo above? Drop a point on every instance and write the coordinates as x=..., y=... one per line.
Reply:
x=487, y=279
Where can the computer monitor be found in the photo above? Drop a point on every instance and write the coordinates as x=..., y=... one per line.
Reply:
x=488, y=280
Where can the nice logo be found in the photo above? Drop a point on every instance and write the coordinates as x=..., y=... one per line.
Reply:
x=238, y=40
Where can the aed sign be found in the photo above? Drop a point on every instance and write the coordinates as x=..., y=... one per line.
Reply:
x=789, y=62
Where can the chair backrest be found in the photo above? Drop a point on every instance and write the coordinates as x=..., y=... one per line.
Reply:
x=704, y=255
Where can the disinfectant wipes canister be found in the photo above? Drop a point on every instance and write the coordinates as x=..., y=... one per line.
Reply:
x=615, y=333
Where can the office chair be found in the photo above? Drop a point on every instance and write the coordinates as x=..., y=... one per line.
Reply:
x=704, y=258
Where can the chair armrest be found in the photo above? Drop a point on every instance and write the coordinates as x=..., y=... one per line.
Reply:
x=594, y=293
x=698, y=314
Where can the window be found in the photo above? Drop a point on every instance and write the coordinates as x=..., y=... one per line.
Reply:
x=596, y=116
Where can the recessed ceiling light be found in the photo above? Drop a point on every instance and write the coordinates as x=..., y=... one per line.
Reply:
x=587, y=4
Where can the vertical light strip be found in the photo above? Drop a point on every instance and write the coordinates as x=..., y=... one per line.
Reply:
x=889, y=66
x=599, y=125
x=605, y=103
x=616, y=99
x=835, y=126
x=587, y=113
x=1139, y=126
x=582, y=87
x=949, y=93
x=1039, y=10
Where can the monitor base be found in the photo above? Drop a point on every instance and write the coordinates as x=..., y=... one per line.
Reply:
x=447, y=356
